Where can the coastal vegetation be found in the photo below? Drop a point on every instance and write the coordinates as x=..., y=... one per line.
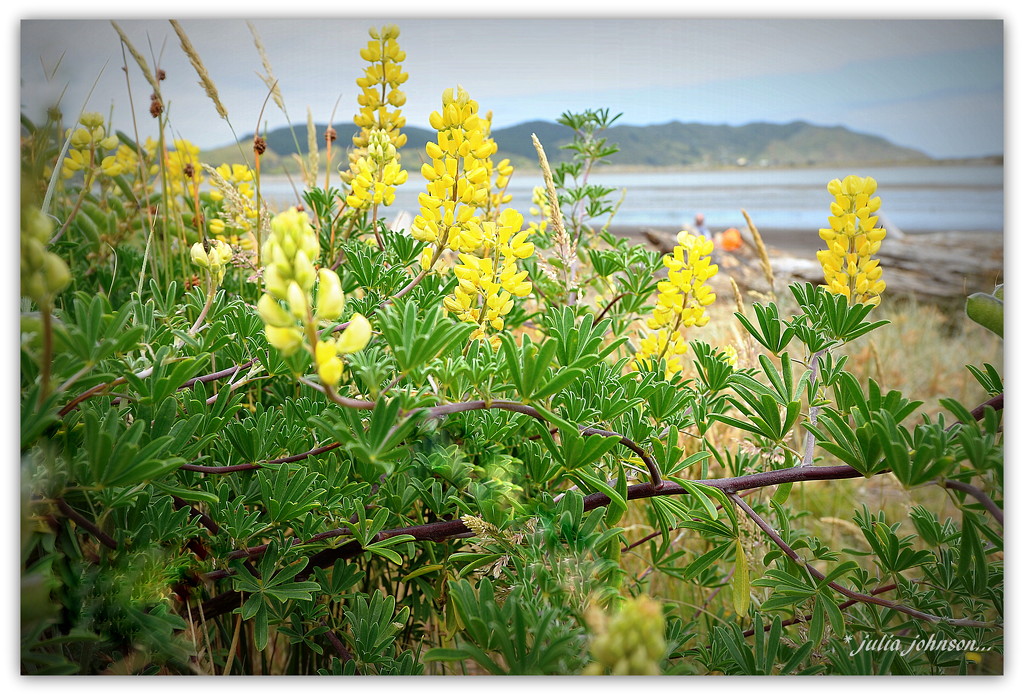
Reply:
x=494, y=438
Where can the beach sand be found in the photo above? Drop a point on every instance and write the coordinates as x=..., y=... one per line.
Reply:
x=794, y=242
x=802, y=243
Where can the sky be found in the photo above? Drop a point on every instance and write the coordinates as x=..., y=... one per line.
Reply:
x=932, y=84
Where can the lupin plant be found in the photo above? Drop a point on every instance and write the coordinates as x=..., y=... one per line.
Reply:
x=535, y=460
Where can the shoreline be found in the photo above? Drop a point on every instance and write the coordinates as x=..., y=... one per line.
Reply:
x=789, y=240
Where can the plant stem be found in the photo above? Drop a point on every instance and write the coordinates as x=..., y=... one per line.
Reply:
x=843, y=590
x=809, y=439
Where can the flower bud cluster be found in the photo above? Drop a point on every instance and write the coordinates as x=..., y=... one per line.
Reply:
x=213, y=257
x=489, y=278
x=632, y=642
x=43, y=273
x=377, y=173
x=852, y=238
x=299, y=298
x=682, y=301
x=86, y=139
x=380, y=85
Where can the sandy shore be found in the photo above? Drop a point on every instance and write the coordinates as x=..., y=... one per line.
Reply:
x=801, y=242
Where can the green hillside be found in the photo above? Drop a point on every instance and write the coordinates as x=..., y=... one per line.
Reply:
x=673, y=144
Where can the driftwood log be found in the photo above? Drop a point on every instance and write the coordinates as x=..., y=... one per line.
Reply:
x=941, y=266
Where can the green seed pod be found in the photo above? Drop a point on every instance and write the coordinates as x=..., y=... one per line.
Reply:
x=56, y=273
x=986, y=310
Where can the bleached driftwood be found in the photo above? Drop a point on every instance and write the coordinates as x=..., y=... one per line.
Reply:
x=929, y=266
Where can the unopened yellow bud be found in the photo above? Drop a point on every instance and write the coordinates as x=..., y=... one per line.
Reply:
x=356, y=335
x=272, y=314
x=200, y=256
x=330, y=300
x=287, y=340
x=297, y=301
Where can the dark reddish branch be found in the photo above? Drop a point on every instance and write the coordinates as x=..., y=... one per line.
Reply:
x=93, y=391
x=339, y=648
x=446, y=530
x=979, y=411
x=842, y=606
x=83, y=522
x=227, y=372
x=206, y=520
x=978, y=494
x=843, y=590
x=255, y=466
x=607, y=307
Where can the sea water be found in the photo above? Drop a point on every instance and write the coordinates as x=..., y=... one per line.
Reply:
x=915, y=199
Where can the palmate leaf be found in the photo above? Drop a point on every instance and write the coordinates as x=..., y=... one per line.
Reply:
x=577, y=451
x=762, y=410
x=531, y=371
x=415, y=341
x=770, y=331
x=832, y=313
x=288, y=493
x=115, y=455
x=381, y=441
x=579, y=344
x=860, y=448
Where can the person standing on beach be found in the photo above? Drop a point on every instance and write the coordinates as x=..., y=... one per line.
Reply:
x=699, y=227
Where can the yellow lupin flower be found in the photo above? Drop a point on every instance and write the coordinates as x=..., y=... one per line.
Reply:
x=124, y=159
x=456, y=178
x=380, y=91
x=460, y=210
x=682, y=301
x=851, y=240
x=489, y=278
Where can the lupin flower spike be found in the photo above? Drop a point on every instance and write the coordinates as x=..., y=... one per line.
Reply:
x=852, y=238
x=682, y=302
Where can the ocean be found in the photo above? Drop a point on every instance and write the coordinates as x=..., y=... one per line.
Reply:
x=914, y=199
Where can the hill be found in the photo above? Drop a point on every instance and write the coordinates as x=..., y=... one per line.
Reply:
x=673, y=144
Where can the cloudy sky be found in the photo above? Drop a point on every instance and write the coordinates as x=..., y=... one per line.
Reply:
x=935, y=84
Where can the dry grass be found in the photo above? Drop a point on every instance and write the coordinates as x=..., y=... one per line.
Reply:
x=921, y=353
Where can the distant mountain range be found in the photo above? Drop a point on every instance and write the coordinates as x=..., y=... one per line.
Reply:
x=672, y=144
